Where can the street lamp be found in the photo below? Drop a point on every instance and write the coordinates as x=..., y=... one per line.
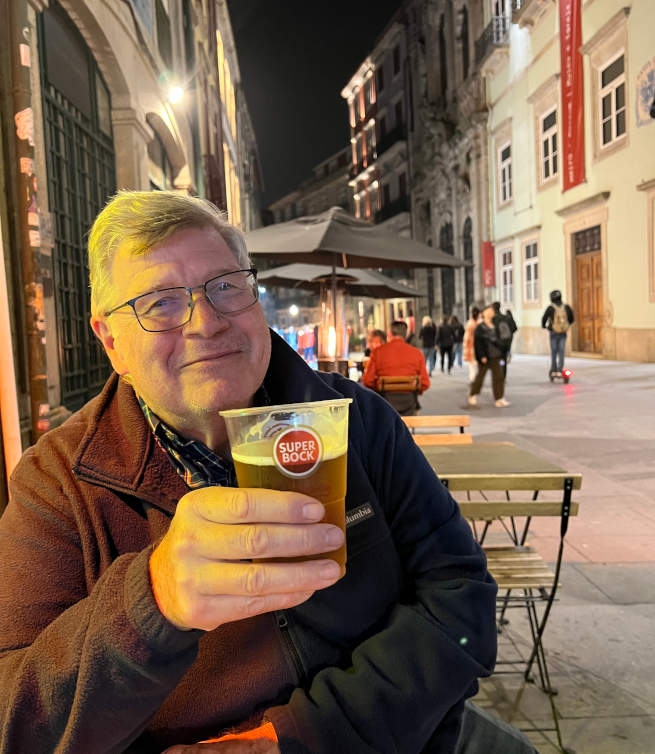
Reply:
x=293, y=310
x=175, y=95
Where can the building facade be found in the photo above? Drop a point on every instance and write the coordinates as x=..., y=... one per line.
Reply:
x=448, y=147
x=594, y=237
x=115, y=95
x=327, y=187
x=378, y=108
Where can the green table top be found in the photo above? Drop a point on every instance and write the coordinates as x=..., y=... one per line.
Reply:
x=485, y=458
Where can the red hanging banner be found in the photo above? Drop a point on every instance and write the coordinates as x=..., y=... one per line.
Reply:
x=570, y=40
x=488, y=265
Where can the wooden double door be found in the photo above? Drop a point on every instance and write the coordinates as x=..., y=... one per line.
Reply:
x=589, y=301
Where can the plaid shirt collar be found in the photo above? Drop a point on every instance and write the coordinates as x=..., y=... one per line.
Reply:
x=197, y=465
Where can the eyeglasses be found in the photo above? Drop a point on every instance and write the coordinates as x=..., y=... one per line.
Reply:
x=170, y=308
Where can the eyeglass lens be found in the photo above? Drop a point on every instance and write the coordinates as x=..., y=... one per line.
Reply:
x=168, y=309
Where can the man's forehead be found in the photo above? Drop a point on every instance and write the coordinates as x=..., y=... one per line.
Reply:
x=173, y=260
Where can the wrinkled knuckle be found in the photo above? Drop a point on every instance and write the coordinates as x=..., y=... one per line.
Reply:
x=255, y=580
x=239, y=505
x=256, y=541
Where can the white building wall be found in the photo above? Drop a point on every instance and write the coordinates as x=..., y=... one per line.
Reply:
x=618, y=193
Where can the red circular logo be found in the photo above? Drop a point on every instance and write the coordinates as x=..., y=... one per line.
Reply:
x=297, y=452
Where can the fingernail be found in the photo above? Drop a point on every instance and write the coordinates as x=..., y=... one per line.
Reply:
x=313, y=511
x=334, y=536
x=330, y=570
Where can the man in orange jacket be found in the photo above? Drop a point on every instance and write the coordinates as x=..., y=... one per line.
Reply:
x=397, y=359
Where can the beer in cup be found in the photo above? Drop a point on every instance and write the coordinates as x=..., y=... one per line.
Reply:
x=299, y=447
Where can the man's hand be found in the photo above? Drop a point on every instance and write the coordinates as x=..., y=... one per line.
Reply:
x=198, y=574
x=483, y=360
x=259, y=746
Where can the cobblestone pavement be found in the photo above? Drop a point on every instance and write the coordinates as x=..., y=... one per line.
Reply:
x=600, y=638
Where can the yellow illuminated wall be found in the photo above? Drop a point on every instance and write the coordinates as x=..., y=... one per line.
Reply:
x=226, y=88
x=232, y=188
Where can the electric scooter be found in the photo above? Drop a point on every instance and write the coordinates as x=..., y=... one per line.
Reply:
x=565, y=375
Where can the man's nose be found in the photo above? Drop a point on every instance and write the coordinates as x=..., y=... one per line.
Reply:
x=205, y=320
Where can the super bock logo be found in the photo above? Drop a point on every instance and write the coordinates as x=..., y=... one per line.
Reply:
x=297, y=452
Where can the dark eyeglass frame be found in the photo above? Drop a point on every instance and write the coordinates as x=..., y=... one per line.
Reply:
x=192, y=301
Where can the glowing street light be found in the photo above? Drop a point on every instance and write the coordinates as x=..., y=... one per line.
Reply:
x=293, y=310
x=175, y=95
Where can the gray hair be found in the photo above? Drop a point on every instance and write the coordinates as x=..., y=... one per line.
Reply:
x=144, y=219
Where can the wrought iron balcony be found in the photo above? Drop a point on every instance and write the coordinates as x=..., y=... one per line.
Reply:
x=493, y=43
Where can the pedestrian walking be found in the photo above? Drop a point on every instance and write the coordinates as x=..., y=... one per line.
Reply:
x=468, y=352
x=489, y=355
x=557, y=318
x=445, y=341
x=458, y=334
x=505, y=327
x=428, y=336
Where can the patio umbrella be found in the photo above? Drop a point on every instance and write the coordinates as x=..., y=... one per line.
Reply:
x=311, y=277
x=335, y=237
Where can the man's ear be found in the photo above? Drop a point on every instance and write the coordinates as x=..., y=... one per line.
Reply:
x=103, y=333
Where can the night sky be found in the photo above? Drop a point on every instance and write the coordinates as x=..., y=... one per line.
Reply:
x=295, y=58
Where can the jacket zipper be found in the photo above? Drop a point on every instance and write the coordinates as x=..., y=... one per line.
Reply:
x=283, y=625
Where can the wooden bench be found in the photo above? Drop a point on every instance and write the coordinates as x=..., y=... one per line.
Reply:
x=437, y=422
x=516, y=566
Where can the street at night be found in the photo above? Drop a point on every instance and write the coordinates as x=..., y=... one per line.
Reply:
x=327, y=377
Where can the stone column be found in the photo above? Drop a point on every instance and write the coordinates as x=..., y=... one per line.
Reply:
x=131, y=137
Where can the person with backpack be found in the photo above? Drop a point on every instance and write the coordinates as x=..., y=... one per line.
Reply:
x=489, y=355
x=557, y=318
x=446, y=341
x=505, y=327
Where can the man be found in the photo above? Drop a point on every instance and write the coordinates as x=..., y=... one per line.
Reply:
x=505, y=327
x=557, y=318
x=489, y=355
x=132, y=617
x=375, y=339
x=397, y=359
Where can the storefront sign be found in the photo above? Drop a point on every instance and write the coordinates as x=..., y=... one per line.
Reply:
x=488, y=265
x=570, y=36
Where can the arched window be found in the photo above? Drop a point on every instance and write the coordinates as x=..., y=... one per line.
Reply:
x=443, y=58
x=80, y=168
x=447, y=273
x=467, y=243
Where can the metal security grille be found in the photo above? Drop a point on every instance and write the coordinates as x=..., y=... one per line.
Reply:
x=80, y=166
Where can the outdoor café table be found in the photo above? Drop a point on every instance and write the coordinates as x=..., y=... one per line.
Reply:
x=495, y=466
x=501, y=467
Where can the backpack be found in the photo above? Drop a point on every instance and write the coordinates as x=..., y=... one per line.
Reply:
x=504, y=332
x=560, y=319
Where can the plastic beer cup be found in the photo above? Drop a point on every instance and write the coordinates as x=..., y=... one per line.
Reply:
x=299, y=447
